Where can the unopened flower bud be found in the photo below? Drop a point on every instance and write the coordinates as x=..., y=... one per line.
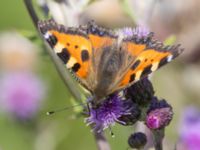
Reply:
x=137, y=140
x=141, y=92
x=159, y=118
x=155, y=104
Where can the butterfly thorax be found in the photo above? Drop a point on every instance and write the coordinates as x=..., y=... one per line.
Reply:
x=109, y=68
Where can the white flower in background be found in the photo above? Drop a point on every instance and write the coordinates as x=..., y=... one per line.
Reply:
x=142, y=10
x=66, y=12
x=16, y=53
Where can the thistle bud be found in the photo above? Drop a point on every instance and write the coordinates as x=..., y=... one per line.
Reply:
x=137, y=140
x=141, y=92
x=159, y=118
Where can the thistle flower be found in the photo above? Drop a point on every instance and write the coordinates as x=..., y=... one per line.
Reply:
x=129, y=32
x=21, y=94
x=109, y=112
x=43, y=6
x=133, y=115
x=159, y=115
x=189, y=129
x=66, y=12
x=137, y=140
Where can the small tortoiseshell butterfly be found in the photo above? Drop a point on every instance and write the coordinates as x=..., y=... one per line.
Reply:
x=104, y=61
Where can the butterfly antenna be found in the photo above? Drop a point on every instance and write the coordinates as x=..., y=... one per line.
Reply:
x=88, y=107
x=63, y=109
x=111, y=132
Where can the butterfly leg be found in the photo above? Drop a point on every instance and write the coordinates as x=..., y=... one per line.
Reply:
x=88, y=107
x=89, y=101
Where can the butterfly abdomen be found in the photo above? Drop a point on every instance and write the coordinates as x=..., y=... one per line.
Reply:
x=111, y=60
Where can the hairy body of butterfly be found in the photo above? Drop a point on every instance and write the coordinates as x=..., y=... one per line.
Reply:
x=105, y=61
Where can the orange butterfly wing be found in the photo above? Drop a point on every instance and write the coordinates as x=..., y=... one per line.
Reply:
x=71, y=45
x=99, y=36
x=149, y=55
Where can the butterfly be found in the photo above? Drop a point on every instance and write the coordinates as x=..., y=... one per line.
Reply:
x=105, y=61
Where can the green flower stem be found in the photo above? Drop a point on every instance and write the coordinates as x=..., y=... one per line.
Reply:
x=64, y=74
x=170, y=40
x=101, y=141
x=127, y=9
x=158, y=136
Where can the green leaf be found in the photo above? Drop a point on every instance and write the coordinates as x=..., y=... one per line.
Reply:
x=28, y=33
x=170, y=40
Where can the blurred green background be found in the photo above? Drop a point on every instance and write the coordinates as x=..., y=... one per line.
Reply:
x=61, y=131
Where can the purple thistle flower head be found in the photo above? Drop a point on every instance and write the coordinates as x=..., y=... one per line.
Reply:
x=20, y=94
x=189, y=129
x=133, y=114
x=129, y=32
x=159, y=114
x=108, y=113
x=159, y=118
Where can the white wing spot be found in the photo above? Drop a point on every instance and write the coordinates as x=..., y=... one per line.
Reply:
x=138, y=74
x=71, y=62
x=169, y=58
x=154, y=66
x=58, y=47
x=47, y=35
